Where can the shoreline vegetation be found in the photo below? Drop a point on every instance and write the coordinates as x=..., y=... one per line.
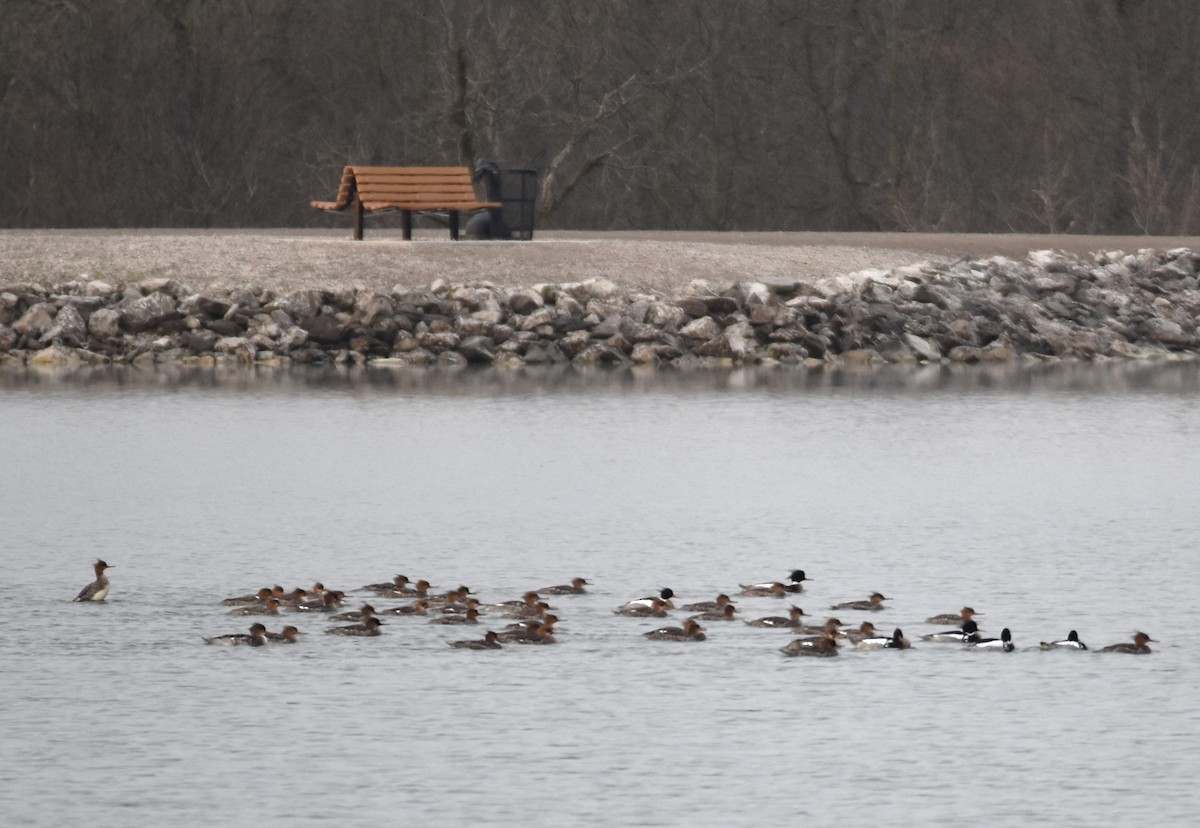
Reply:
x=684, y=300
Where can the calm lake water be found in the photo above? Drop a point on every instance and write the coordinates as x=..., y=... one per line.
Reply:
x=1047, y=499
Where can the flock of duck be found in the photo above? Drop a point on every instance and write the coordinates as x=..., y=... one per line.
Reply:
x=531, y=620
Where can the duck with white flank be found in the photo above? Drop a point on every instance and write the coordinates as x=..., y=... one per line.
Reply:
x=664, y=598
x=419, y=607
x=778, y=621
x=97, y=590
x=490, y=641
x=776, y=589
x=1004, y=643
x=1071, y=642
x=1136, y=647
x=958, y=636
x=690, y=631
x=367, y=628
x=726, y=614
x=961, y=617
x=722, y=600
x=825, y=646
x=865, y=630
x=576, y=587
x=895, y=641
x=529, y=599
x=259, y=597
x=256, y=638
x=872, y=604
x=636, y=609
x=794, y=583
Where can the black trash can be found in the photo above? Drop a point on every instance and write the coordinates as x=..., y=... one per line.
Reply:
x=516, y=190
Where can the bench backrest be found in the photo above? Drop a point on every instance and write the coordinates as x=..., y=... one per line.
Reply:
x=440, y=187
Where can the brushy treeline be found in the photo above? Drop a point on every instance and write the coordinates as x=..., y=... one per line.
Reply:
x=933, y=115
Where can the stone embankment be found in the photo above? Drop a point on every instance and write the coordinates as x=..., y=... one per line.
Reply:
x=1144, y=305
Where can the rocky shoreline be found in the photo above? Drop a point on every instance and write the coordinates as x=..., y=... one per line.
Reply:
x=1051, y=306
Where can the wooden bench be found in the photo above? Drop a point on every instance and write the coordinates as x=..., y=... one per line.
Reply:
x=407, y=189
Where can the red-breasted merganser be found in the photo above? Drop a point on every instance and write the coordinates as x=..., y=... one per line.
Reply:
x=655, y=609
x=576, y=587
x=419, y=590
x=269, y=608
x=895, y=641
x=419, y=607
x=726, y=613
x=369, y=627
x=489, y=642
x=1004, y=643
x=778, y=621
x=1137, y=647
x=471, y=616
x=722, y=601
x=664, y=598
x=874, y=603
x=794, y=583
x=958, y=636
x=285, y=636
x=1071, y=642
x=256, y=638
x=824, y=647
x=529, y=599
x=367, y=611
x=832, y=626
x=961, y=617
x=865, y=630
x=259, y=597
x=398, y=584
x=97, y=590
x=776, y=589
x=690, y=631
x=329, y=601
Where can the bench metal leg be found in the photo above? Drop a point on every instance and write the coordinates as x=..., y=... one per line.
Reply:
x=406, y=224
x=454, y=225
x=358, y=220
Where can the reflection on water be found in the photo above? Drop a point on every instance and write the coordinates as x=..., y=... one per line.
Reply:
x=1095, y=378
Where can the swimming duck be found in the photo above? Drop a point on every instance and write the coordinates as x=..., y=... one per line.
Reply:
x=865, y=630
x=664, y=598
x=775, y=589
x=874, y=603
x=256, y=638
x=542, y=634
x=576, y=587
x=490, y=641
x=958, y=636
x=97, y=590
x=794, y=583
x=1071, y=642
x=269, y=608
x=726, y=613
x=824, y=647
x=369, y=627
x=722, y=600
x=895, y=641
x=419, y=607
x=792, y=619
x=690, y=631
x=961, y=617
x=259, y=597
x=635, y=609
x=399, y=583
x=1003, y=643
x=832, y=626
x=328, y=601
x=418, y=590
x=285, y=636
x=471, y=616
x=1138, y=647
x=536, y=611
x=363, y=614
x=529, y=599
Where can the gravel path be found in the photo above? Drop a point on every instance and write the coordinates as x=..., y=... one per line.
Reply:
x=658, y=262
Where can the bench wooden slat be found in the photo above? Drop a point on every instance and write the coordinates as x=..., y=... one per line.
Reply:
x=408, y=189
